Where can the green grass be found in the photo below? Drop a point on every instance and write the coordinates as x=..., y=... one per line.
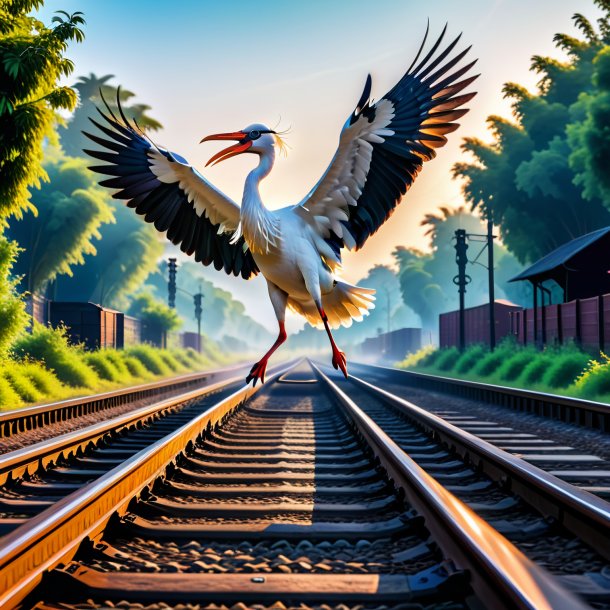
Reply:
x=567, y=369
x=44, y=367
x=9, y=399
x=448, y=359
x=105, y=367
x=469, y=359
x=51, y=346
x=150, y=358
x=512, y=368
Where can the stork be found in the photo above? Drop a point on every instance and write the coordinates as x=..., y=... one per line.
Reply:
x=382, y=148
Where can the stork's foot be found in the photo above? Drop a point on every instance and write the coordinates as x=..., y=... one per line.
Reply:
x=339, y=360
x=257, y=372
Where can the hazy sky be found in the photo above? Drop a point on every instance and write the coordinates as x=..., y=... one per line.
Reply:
x=206, y=67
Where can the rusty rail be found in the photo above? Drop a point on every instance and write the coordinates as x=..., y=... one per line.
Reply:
x=54, y=535
x=30, y=418
x=502, y=576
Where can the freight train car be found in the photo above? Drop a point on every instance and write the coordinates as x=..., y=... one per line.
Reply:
x=87, y=323
x=476, y=324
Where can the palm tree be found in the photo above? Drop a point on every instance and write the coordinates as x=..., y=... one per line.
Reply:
x=90, y=90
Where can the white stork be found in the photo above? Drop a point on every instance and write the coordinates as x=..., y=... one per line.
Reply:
x=297, y=248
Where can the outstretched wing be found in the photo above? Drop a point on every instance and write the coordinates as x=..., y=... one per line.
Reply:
x=172, y=195
x=383, y=146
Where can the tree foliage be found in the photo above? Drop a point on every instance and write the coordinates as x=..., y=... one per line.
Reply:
x=590, y=137
x=528, y=178
x=13, y=317
x=223, y=316
x=127, y=253
x=71, y=209
x=90, y=91
x=154, y=313
x=31, y=63
x=426, y=279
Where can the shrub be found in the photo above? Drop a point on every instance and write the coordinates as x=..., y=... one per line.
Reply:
x=43, y=379
x=9, y=399
x=565, y=367
x=416, y=358
x=118, y=360
x=533, y=372
x=171, y=362
x=150, y=358
x=184, y=359
x=431, y=358
x=513, y=366
x=490, y=363
x=594, y=381
x=136, y=368
x=22, y=385
x=468, y=360
x=447, y=360
x=50, y=345
x=103, y=366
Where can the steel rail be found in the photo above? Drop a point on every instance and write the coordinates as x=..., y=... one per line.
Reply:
x=30, y=459
x=30, y=418
x=584, y=514
x=502, y=576
x=588, y=413
x=53, y=536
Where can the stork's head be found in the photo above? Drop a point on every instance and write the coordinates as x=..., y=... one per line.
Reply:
x=256, y=138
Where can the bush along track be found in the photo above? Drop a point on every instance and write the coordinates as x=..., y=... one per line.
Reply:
x=560, y=370
x=43, y=367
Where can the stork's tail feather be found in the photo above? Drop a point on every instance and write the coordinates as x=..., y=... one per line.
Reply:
x=342, y=305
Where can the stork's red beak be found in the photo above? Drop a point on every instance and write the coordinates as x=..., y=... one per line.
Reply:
x=243, y=143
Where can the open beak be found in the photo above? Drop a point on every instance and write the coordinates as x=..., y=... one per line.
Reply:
x=243, y=143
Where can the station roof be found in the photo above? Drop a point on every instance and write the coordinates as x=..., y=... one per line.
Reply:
x=561, y=257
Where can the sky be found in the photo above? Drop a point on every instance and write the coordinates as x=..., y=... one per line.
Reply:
x=206, y=67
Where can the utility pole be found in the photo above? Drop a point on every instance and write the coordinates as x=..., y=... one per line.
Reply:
x=461, y=279
x=490, y=270
x=171, y=285
x=198, y=311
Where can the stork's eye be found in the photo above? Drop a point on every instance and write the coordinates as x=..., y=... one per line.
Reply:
x=255, y=134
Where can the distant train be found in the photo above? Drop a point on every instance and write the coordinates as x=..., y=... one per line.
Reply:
x=98, y=327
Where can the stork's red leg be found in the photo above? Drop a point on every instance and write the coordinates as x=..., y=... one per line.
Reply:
x=258, y=370
x=339, y=360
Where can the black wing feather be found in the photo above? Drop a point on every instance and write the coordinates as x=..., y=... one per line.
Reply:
x=126, y=154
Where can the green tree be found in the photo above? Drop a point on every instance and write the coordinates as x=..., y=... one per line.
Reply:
x=590, y=137
x=526, y=177
x=13, y=317
x=71, y=209
x=31, y=63
x=127, y=253
x=426, y=279
x=89, y=88
x=154, y=313
x=223, y=316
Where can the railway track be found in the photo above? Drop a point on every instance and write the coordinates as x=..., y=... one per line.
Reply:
x=296, y=499
x=577, y=411
x=515, y=424
x=21, y=427
x=34, y=478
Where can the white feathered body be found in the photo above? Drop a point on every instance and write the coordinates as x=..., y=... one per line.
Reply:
x=293, y=257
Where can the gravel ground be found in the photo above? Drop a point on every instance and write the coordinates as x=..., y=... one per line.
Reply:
x=340, y=557
x=92, y=605
x=560, y=552
x=564, y=434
